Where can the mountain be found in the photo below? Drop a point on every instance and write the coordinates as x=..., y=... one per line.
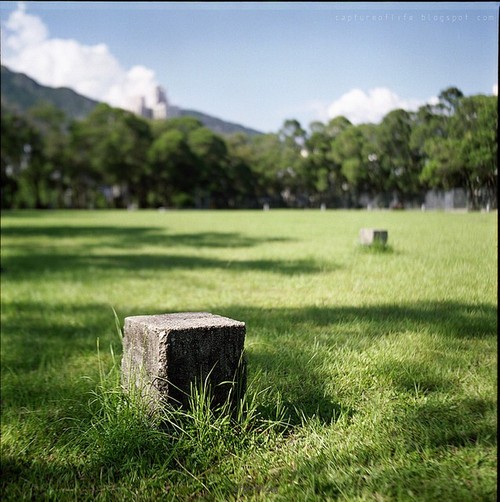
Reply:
x=217, y=125
x=21, y=92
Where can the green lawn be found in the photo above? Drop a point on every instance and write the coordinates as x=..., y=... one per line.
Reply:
x=372, y=374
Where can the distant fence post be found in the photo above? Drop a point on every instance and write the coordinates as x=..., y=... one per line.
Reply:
x=371, y=236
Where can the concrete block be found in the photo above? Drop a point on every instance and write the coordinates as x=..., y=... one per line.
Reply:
x=370, y=236
x=164, y=355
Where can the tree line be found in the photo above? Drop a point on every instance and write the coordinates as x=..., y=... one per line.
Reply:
x=115, y=159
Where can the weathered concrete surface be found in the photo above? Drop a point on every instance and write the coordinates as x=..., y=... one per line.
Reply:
x=370, y=236
x=164, y=355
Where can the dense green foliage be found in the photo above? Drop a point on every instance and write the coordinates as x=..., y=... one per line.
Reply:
x=372, y=375
x=113, y=158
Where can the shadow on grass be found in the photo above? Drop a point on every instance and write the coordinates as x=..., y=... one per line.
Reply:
x=440, y=449
x=135, y=237
x=25, y=478
x=447, y=318
x=37, y=335
x=299, y=384
x=88, y=241
x=427, y=438
x=456, y=423
x=23, y=266
x=34, y=340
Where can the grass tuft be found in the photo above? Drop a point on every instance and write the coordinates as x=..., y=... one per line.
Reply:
x=125, y=435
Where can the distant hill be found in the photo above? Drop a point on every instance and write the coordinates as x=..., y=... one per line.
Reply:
x=216, y=125
x=21, y=92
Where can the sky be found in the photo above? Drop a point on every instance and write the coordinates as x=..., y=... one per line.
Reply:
x=258, y=63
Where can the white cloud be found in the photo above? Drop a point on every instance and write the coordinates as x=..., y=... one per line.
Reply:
x=138, y=81
x=26, y=30
x=494, y=90
x=360, y=107
x=90, y=70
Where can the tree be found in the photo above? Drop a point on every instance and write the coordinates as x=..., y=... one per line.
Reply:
x=111, y=146
x=398, y=162
x=267, y=164
x=14, y=134
x=292, y=166
x=428, y=122
x=323, y=170
x=476, y=124
x=184, y=124
x=243, y=179
x=347, y=151
x=467, y=155
x=52, y=125
x=212, y=182
x=22, y=163
x=174, y=170
x=449, y=100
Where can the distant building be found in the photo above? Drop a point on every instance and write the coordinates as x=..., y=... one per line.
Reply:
x=159, y=109
x=138, y=106
x=161, y=96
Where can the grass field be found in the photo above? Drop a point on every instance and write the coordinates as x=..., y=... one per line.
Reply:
x=372, y=375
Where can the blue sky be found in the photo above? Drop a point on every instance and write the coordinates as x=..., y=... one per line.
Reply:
x=258, y=63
